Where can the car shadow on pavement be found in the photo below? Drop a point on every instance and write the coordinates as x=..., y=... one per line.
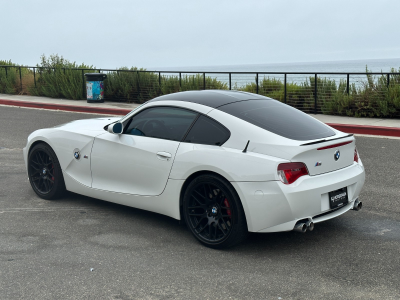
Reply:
x=325, y=234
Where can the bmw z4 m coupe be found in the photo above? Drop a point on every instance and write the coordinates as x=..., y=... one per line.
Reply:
x=224, y=162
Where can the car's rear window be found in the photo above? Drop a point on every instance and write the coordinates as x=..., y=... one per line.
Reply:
x=278, y=118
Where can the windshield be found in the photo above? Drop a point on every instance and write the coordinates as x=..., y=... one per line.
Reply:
x=279, y=118
x=130, y=113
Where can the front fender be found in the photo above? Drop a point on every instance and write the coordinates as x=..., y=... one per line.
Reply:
x=63, y=144
x=35, y=137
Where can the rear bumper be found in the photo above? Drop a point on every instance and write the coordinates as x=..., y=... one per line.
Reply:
x=273, y=206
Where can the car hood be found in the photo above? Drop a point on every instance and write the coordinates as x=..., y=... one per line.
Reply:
x=88, y=126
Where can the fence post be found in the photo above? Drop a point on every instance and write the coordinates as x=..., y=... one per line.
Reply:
x=180, y=80
x=230, y=81
x=159, y=81
x=256, y=83
x=138, y=84
x=204, y=81
x=285, y=92
x=348, y=84
x=20, y=77
x=315, y=94
x=388, y=79
x=83, y=84
x=6, y=73
x=64, y=71
x=34, y=76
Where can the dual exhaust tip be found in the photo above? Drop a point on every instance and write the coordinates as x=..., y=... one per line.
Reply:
x=302, y=226
x=357, y=205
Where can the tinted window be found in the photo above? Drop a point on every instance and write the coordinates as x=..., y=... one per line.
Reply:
x=279, y=118
x=207, y=131
x=168, y=123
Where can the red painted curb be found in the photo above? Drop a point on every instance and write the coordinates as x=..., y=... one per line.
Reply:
x=65, y=107
x=365, y=129
x=348, y=128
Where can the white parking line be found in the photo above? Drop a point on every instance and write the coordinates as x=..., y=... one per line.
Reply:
x=37, y=209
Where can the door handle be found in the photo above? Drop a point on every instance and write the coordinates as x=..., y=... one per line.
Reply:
x=164, y=155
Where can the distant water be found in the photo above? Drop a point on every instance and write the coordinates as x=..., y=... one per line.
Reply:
x=239, y=80
x=374, y=65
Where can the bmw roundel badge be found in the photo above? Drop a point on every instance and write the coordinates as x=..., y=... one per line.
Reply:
x=77, y=154
x=336, y=155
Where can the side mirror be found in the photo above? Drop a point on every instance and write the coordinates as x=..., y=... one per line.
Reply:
x=115, y=128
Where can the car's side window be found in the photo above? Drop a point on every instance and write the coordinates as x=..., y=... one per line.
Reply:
x=170, y=123
x=208, y=132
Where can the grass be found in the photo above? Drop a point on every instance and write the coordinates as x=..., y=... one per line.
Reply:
x=55, y=77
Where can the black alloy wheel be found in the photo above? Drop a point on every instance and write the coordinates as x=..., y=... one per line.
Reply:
x=44, y=172
x=213, y=212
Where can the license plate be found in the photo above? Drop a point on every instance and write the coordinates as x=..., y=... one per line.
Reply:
x=338, y=198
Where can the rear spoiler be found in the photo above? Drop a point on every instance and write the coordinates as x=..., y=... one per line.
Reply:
x=323, y=141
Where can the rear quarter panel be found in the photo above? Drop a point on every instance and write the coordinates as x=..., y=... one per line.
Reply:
x=233, y=164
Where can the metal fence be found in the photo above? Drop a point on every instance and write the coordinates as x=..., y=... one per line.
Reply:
x=353, y=94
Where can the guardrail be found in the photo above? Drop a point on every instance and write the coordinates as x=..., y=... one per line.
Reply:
x=355, y=94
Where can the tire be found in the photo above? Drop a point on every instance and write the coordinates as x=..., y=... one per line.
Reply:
x=44, y=172
x=214, y=213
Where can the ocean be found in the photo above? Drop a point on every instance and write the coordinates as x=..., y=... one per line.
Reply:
x=240, y=80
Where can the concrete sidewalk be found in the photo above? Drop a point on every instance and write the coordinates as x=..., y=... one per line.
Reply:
x=24, y=98
x=372, y=126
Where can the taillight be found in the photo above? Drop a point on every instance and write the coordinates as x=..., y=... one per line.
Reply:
x=290, y=172
x=355, y=155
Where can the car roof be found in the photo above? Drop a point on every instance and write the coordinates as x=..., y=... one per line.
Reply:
x=211, y=98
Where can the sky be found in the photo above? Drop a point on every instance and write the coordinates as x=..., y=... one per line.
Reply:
x=176, y=33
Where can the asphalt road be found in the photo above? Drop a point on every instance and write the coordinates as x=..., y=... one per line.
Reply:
x=48, y=248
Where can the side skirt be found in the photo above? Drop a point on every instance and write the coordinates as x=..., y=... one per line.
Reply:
x=166, y=204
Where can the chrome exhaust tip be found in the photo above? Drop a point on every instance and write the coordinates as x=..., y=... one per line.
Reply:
x=310, y=225
x=357, y=205
x=300, y=227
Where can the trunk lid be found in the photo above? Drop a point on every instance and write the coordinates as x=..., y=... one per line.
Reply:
x=326, y=156
x=317, y=161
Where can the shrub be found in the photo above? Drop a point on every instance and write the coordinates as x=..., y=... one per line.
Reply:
x=57, y=78
x=8, y=78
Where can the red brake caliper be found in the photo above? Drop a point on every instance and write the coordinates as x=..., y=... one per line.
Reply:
x=226, y=203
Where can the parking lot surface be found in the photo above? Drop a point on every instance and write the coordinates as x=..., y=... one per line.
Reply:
x=83, y=248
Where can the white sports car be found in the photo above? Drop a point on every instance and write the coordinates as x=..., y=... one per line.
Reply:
x=225, y=162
